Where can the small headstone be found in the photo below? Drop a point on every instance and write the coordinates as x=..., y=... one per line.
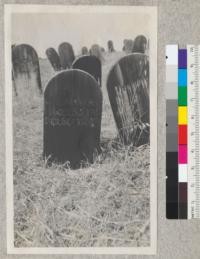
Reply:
x=72, y=118
x=140, y=44
x=84, y=51
x=53, y=58
x=66, y=54
x=89, y=64
x=128, y=90
x=25, y=69
x=110, y=46
x=95, y=50
x=128, y=46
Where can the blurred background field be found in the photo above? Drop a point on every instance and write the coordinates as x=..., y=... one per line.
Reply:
x=104, y=204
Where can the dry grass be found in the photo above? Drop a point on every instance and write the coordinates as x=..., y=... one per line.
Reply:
x=105, y=204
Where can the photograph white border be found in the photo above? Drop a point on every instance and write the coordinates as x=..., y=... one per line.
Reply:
x=9, y=9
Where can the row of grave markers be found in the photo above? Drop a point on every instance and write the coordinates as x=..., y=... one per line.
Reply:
x=73, y=102
x=65, y=56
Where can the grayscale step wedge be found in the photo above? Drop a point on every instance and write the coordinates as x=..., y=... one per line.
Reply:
x=89, y=64
x=25, y=69
x=66, y=54
x=72, y=118
x=54, y=59
x=128, y=91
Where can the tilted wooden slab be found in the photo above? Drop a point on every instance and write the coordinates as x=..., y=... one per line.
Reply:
x=128, y=90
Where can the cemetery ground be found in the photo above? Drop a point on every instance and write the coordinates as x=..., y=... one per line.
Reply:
x=106, y=204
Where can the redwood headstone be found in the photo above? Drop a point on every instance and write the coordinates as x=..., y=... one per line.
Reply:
x=66, y=54
x=90, y=64
x=128, y=90
x=72, y=118
x=53, y=58
x=25, y=69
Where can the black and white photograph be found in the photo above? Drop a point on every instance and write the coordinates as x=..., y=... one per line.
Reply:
x=81, y=129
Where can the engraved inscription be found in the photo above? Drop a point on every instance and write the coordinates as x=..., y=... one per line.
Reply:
x=74, y=115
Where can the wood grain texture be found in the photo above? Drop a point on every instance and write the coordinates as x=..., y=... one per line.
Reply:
x=128, y=91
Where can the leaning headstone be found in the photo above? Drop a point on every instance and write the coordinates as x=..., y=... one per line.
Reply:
x=128, y=90
x=95, y=50
x=110, y=46
x=26, y=69
x=66, y=54
x=53, y=58
x=140, y=44
x=72, y=118
x=89, y=64
x=84, y=51
x=128, y=46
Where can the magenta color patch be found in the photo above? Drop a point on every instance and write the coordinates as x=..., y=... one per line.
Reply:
x=182, y=154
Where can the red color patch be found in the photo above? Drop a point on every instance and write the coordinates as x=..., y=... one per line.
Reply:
x=182, y=134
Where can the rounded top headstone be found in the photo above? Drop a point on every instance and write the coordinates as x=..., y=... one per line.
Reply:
x=89, y=64
x=72, y=117
x=23, y=53
x=53, y=58
x=140, y=44
x=66, y=54
x=129, y=69
x=95, y=50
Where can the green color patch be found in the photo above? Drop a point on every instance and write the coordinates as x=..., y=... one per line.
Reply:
x=182, y=96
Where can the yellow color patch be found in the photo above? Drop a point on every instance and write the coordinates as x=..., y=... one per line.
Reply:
x=182, y=115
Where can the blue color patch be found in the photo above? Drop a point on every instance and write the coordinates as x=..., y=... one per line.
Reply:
x=182, y=77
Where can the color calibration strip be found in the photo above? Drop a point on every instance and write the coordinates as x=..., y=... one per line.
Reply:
x=182, y=134
x=172, y=131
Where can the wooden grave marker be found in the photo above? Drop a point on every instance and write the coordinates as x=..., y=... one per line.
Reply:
x=140, y=44
x=89, y=64
x=25, y=69
x=66, y=54
x=53, y=58
x=128, y=90
x=72, y=118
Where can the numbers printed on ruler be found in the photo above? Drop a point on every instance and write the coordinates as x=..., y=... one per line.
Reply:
x=193, y=58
